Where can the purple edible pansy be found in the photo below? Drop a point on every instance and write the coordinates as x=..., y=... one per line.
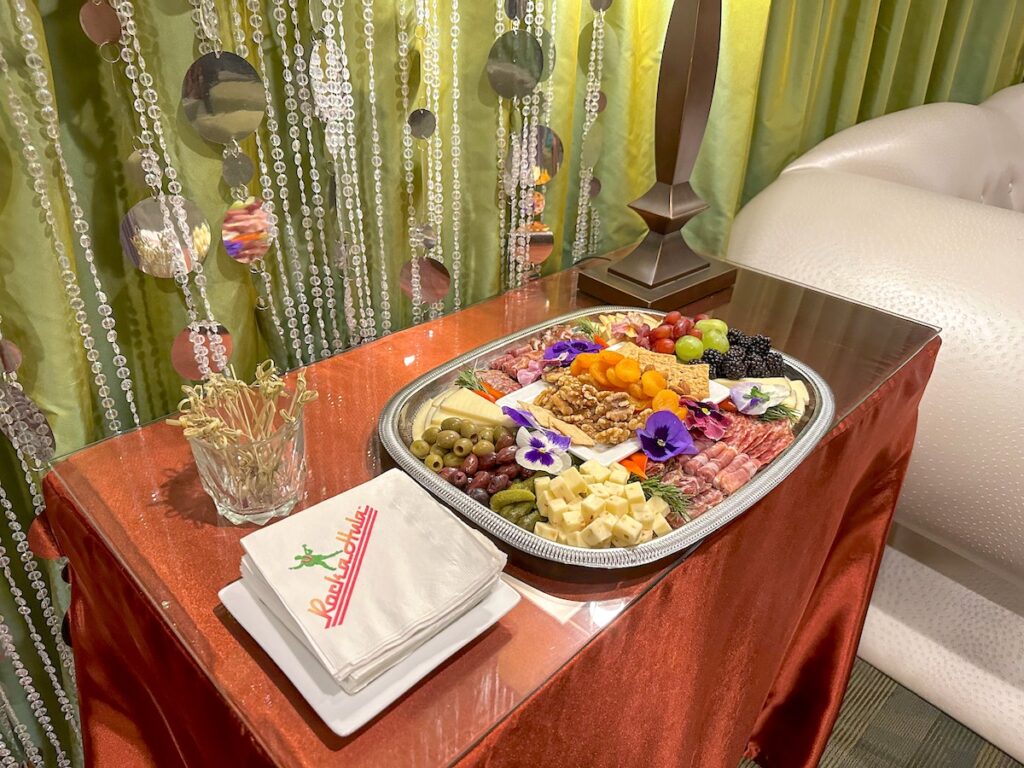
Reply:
x=565, y=351
x=752, y=398
x=706, y=418
x=664, y=436
x=520, y=417
x=542, y=451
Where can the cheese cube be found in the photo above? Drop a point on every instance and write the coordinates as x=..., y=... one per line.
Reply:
x=634, y=493
x=661, y=526
x=657, y=505
x=619, y=474
x=616, y=505
x=595, y=470
x=575, y=539
x=556, y=509
x=597, y=533
x=592, y=507
x=572, y=520
x=626, y=532
x=546, y=531
x=644, y=515
x=645, y=535
x=574, y=480
x=560, y=488
x=541, y=485
x=543, y=498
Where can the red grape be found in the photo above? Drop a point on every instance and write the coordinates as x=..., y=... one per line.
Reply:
x=701, y=316
x=683, y=327
x=665, y=346
x=672, y=318
x=662, y=332
x=696, y=332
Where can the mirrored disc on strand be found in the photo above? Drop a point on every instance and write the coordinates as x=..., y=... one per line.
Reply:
x=602, y=101
x=10, y=356
x=600, y=5
x=595, y=187
x=536, y=168
x=537, y=203
x=541, y=242
x=99, y=22
x=423, y=236
x=237, y=170
x=25, y=425
x=246, y=231
x=183, y=350
x=154, y=244
x=223, y=97
x=435, y=282
x=422, y=123
x=515, y=64
x=134, y=173
x=516, y=9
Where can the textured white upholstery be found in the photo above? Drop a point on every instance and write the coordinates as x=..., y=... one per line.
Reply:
x=922, y=213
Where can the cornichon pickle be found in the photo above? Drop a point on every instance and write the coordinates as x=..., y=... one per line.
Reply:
x=529, y=522
x=511, y=496
x=516, y=512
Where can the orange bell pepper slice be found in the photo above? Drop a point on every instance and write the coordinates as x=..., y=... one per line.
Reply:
x=637, y=464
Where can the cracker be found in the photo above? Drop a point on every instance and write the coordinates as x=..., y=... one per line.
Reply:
x=548, y=420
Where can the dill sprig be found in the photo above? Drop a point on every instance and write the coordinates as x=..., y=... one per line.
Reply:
x=677, y=501
x=779, y=412
x=589, y=328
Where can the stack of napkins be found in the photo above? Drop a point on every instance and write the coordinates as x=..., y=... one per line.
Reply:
x=365, y=578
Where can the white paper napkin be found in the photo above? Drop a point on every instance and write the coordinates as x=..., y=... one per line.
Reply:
x=364, y=578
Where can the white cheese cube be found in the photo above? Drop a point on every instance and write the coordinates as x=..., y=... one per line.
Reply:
x=546, y=531
x=619, y=474
x=616, y=505
x=597, y=533
x=645, y=535
x=644, y=515
x=541, y=485
x=556, y=509
x=574, y=480
x=592, y=507
x=626, y=532
x=657, y=505
x=543, y=498
x=634, y=493
x=595, y=470
x=575, y=539
x=560, y=488
x=661, y=526
x=572, y=520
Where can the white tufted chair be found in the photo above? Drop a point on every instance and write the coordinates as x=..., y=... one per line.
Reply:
x=922, y=213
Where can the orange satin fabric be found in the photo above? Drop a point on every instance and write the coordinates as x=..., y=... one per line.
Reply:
x=745, y=646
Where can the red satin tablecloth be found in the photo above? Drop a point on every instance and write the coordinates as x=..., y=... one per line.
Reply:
x=744, y=647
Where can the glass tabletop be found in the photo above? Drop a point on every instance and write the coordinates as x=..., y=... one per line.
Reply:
x=141, y=494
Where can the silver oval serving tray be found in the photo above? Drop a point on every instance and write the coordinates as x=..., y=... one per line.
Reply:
x=395, y=429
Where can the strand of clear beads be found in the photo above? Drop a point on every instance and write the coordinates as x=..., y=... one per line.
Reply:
x=158, y=166
x=72, y=289
x=595, y=67
x=259, y=266
x=595, y=230
x=35, y=700
x=549, y=90
x=534, y=19
x=6, y=758
x=296, y=287
x=291, y=105
x=13, y=729
x=501, y=146
x=350, y=183
x=456, y=160
x=20, y=730
x=377, y=161
x=435, y=188
x=407, y=156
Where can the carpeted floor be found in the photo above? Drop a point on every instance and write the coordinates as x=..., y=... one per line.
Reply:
x=883, y=725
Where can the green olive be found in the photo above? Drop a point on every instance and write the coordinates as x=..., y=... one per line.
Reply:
x=483, y=447
x=453, y=459
x=486, y=433
x=451, y=423
x=469, y=429
x=446, y=438
x=420, y=448
x=430, y=435
x=437, y=450
x=499, y=431
x=462, y=447
x=434, y=462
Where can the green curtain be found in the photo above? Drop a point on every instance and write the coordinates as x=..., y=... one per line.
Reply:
x=790, y=74
x=793, y=73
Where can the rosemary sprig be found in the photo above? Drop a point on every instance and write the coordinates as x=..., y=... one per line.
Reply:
x=779, y=412
x=677, y=501
x=469, y=380
x=589, y=328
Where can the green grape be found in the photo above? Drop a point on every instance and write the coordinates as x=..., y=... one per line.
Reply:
x=711, y=324
x=689, y=348
x=717, y=341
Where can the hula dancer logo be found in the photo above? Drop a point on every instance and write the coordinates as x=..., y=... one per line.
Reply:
x=344, y=571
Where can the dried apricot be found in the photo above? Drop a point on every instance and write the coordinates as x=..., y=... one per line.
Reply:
x=597, y=373
x=682, y=412
x=653, y=382
x=628, y=370
x=609, y=356
x=666, y=400
x=635, y=390
x=614, y=380
x=579, y=367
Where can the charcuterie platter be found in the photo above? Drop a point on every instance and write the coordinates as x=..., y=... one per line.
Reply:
x=611, y=437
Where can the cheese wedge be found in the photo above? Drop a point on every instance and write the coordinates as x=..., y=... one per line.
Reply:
x=463, y=404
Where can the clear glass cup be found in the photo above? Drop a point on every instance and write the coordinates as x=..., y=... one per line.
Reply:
x=254, y=482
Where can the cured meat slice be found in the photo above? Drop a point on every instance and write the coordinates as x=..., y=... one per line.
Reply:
x=688, y=484
x=737, y=474
x=720, y=461
x=499, y=380
x=702, y=458
x=703, y=502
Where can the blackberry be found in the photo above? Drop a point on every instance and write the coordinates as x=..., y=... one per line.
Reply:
x=736, y=353
x=737, y=338
x=734, y=368
x=754, y=361
x=759, y=345
x=758, y=370
x=776, y=367
x=712, y=357
x=713, y=372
